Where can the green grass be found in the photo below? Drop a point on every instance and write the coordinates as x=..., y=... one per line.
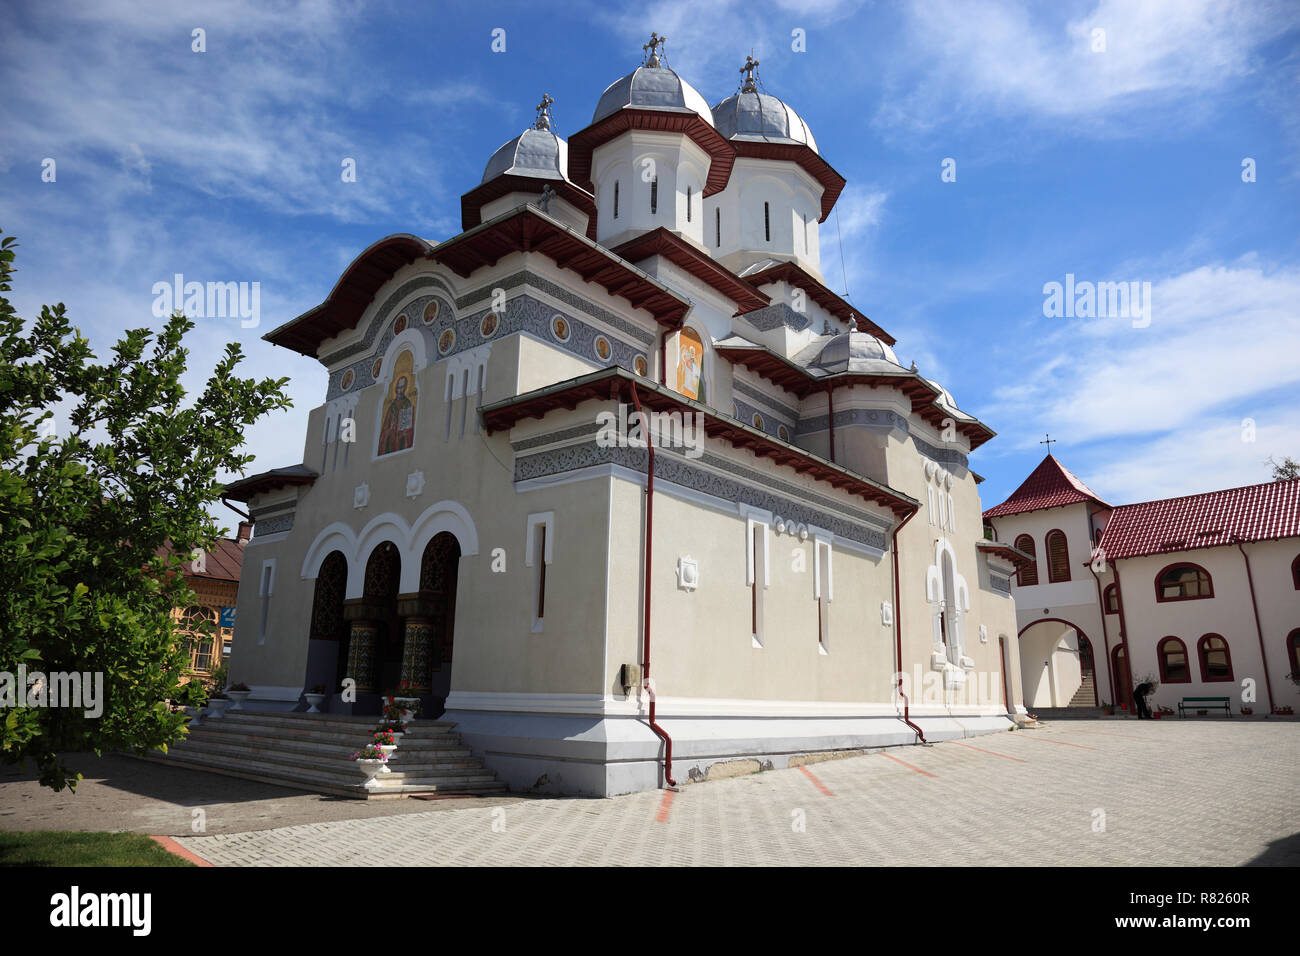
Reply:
x=75, y=848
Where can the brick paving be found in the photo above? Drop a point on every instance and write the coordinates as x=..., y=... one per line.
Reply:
x=1178, y=793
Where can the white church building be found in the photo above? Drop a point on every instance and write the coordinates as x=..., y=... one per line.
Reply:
x=475, y=516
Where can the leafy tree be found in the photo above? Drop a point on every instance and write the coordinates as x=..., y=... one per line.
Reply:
x=1285, y=470
x=97, y=524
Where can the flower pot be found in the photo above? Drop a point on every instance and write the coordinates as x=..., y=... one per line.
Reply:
x=195, y=714
x=1156, y=715
x=314, y=702
x=387, y=751
x=238, y=696
x=409, y=705
x=217, y=707
x=371, y=768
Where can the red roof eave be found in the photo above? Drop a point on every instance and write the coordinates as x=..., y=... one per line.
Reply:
x=662, y=242
x=797, y=276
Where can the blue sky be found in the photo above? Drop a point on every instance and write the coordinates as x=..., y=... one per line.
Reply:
x=1115, y=164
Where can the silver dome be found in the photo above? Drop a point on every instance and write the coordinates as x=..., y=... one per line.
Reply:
x=534, y=152
x=649, y=87
x=855, y=352
x=759, y=117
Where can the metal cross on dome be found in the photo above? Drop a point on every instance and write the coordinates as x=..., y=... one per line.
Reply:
x=656, y=41
x=544, y=118
x=748, y=69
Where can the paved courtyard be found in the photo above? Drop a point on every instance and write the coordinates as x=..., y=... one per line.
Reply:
x=1104, y=792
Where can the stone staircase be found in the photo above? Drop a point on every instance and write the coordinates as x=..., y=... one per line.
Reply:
x=1083, y=697
x=313, y=752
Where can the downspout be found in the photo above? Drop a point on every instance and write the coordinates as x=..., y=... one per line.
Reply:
x=663, y=358
x=830, y=402
x=1105, y=642
x=1268, y=684
x=898, y=633
x=1123, y=639
x=649, y=540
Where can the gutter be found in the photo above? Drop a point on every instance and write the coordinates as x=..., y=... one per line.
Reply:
x=1268, y=684
x=649, y=540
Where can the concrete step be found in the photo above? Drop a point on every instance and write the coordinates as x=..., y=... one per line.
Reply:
x=327, y=745
x=280, y=725
x=341, y=760
x=1067, y=713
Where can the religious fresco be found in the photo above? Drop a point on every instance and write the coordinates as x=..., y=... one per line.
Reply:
x=431, y=312
x=602, y=348
x=348, y=378
x=690, y=365
x=488, y=327
x=397, y=431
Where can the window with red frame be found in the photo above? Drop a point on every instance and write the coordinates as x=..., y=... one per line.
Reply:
x=1058, y=557
x=1295, y=572
x=1027, y=575
x=1216, y=661
x=1184, y=582
x=1293, y=650
x=1110, y=599
x=1172, y=654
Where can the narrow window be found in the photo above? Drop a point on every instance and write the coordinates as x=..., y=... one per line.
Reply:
x=654, y=196
x=933, y=509
x=805, y=233
x=1028, y=575
x=541, y=573
x=1295, y=572
x=1216, y=661
x=1172, y=654
x=717, y=241
x=757, y=573
x=1293, y=650
x=478, y=401
x=823, y=592
x=265, y=587
x=1058, y=557
x=1110, y=598
x=767, y=221
x=451, y=390
x=538, y=553
x=464, y=409
x=952, y=516
x=688, y=203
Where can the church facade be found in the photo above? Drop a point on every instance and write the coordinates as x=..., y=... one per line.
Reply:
x=1200, y=594
x=616, y=482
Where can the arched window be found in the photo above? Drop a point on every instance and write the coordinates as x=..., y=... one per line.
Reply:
x=717, y=227
x=1183, y=582
x=1172, y=654
x=1027, y=575
x=1110, y=599
x=616, y=199
x=199, y=633
x=1295, y=572
x=1216, y=662
x=1293, y=651
x=767, y=221
x=1058, y=557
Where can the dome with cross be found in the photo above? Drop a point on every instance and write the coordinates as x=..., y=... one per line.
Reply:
x=652, y=86
x=756, y=116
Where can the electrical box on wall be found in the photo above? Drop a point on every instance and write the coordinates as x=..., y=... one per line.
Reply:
x=629, y=675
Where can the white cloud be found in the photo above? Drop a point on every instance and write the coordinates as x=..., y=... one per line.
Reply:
x=1163, y=406
x=1005, y=57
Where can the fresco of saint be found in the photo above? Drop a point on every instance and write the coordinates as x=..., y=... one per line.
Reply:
x=690, y=365
x=397, y=431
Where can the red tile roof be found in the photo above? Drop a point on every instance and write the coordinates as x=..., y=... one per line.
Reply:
x=1253, y=513
x=1050, y=485
x=222, y=563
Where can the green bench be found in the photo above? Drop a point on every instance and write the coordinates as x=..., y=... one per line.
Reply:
x=1204, y=703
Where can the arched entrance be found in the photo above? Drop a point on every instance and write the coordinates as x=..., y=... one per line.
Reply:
x=327, y=653
x=1123, y=679
x=439, y=567
x=1057, y=665
x=382, y=582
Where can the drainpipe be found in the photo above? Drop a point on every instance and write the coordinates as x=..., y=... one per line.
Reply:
x=830, y=402
x=1123, y=639
x=1268, y=684
x=1105, y=642
x=649, y=540
x=663, y=358
x=898, y=633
